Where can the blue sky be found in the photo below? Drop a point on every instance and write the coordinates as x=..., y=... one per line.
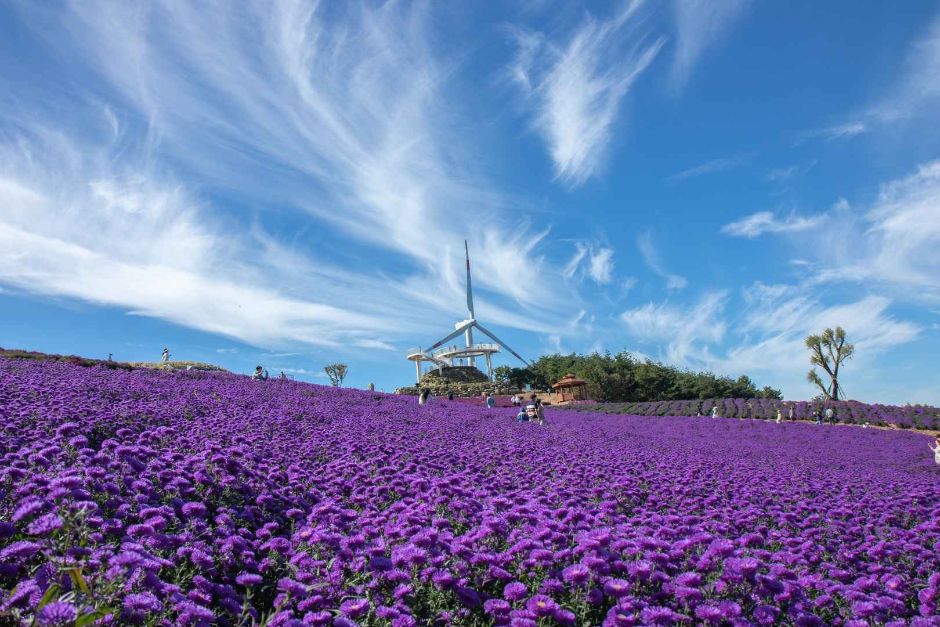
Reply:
x=290, y=184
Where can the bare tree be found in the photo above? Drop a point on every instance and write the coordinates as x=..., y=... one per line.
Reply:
x=828, y=351
x=336, y=373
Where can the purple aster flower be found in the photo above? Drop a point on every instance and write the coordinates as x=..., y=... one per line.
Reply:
x=248, y=579
x=496, y=607
x=354, y=608
x=616, y=587
x=142, y=602
x=44, y=525
x=468, y=596
x=541, y=605
x=27, y=508
x=515, y=591
x=576, y=574
x=194, y=509
x=20, y=550
x=57, y=614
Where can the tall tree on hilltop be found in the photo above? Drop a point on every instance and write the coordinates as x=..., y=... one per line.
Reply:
x=828, y=350
x=336, y=373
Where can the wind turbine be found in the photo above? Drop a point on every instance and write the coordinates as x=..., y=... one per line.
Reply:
x=470, y=351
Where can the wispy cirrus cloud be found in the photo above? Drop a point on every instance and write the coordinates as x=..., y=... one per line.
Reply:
x=764, y=335
x=341, y=116
x=574, y=85
x=762, y=222
x=650, y=255
x=700, y=25
x=684, y=332
x=709, y=167
x=837, y=131
x=596, y=262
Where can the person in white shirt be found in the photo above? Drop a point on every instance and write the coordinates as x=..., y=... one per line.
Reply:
x=936, y=450
x=779, y=416
x=714, y=411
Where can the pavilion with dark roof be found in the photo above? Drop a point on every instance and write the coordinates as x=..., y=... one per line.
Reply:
x=570, y=388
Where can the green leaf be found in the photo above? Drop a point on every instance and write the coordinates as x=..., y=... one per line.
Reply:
x=51, y=593
x=75, y=574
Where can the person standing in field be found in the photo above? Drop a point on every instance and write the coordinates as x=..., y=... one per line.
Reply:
x=490, y=401
x=165, y=357
x=539, y=411
x=423, y=396
x=830, y=415
x=779, y=416
x=714, y=411
x=817, y=416
x=790, y=413
x=936, y=450
x=450, y=396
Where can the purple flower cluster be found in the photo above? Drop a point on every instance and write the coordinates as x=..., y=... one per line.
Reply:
x=146, y=497
x=847, y=412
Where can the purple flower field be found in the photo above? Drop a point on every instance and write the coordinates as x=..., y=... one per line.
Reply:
x=148, y=497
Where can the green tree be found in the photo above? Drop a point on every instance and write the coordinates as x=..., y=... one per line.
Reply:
x=828, y=350
x=336, y=373
x=501, y=375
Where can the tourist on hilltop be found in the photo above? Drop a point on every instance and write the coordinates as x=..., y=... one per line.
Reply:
x=936, y=450
x=423, y=396
x=282, y=376
x=372, y=387
x=260, y=374
x=165, y=357
x=490, y=401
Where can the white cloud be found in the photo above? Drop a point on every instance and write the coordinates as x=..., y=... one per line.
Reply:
x=765, y=338
x=895, y=242
x=685, y=332
x=918, y=87
x=777, y=319
x=650, y=255
x=839, y=131
x=762, y=222
x=597, y=262
x=345, y=119
x=892, y=244
x=575, y=86
x=709, y=167
x=700, y=24
x=601, y=267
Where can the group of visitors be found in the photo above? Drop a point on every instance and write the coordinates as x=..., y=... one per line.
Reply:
x=533, y=411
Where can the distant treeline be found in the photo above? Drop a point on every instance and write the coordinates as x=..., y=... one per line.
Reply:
x=624, y=378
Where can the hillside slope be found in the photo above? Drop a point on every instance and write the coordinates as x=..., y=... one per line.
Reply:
x=209, y=498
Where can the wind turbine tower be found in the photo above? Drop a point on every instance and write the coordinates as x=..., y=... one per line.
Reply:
x=447, y=356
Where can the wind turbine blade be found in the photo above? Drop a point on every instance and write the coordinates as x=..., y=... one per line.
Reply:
x=469, y=288
x=439, y=343
x=501, y=343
